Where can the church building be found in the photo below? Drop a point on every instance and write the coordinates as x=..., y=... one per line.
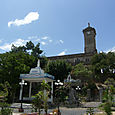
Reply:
x=89, y=49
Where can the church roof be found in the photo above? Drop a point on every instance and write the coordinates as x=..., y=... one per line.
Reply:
x=36, y=74
x=71, y=56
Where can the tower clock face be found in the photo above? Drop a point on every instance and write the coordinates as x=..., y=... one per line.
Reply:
x=88, y=32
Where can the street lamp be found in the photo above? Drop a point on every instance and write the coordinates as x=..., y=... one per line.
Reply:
x=21, y=95
x=58, y=83
x=78, y=89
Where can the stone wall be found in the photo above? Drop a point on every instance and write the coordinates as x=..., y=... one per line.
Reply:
x=73, y=58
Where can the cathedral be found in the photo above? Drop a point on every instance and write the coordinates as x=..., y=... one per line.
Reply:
x=89, y=49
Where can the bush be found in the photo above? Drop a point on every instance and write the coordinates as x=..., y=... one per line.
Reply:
x=6, y=111
x=90, y=111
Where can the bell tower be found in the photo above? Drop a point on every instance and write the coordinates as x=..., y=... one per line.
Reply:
x=89, y=38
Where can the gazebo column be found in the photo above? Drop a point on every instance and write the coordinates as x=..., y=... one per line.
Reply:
x=52, y=91
x=30, y=88
x=21, y=90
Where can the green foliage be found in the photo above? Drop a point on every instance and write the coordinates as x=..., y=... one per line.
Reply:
x=90, y=111
x=3, y=98
x=43, y=62
x=60, y=94
x=6, y=111
x=29, y=45
x=28, y=48
x=18, y=61
x=108, y=96
x=37, y=101
x=11, y=65
x=4, y=105
x=59, y=69
x=103, y=61
x=45, y=86
x=41, y=98
x=36, y=51
x=45, y=101
x=4, y=89
x=18, y=49
x=84, y=73
x=107, y=108
x=110, y=82
x=80, y=70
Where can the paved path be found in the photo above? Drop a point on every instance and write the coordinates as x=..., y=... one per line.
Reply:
x=70, y=112
x=64, y=110
x=73, y=111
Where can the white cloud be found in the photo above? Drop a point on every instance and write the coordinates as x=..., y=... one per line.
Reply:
x=50, y=41
x=111, y=50
x=32, y=37
x=32, y=16
x=18, y=42
x=6, y=47
x=43, y=43
x=61, y=41
x=62, y=53
x=37, y=40
x=45, y=38
x=0, y=41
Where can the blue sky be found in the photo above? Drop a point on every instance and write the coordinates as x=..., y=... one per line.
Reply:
x=56, y=24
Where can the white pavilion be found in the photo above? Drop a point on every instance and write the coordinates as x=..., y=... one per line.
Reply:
x=36, y=75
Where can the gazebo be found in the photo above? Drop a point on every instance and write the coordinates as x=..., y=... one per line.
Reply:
x=36, y=75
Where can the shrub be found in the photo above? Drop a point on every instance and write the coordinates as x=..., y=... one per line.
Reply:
x=6, y=111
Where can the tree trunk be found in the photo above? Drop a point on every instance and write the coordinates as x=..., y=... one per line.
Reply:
x=39, y=112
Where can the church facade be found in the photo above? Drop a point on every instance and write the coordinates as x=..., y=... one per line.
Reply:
x=89, y=49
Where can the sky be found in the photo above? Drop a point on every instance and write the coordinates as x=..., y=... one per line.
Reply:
x=56, y=24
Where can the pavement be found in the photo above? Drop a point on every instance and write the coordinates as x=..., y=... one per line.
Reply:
x=64, y=110
x=69, y=113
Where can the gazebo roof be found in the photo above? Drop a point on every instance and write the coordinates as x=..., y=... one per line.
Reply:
x=37, y=75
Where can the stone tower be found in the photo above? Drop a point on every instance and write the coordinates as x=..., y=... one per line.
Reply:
x=89, y=38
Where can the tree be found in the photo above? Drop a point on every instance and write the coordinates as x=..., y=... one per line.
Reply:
x=37, y=101
x=18, y=61
x=45, y=92
x=36, y=51
x=108, y=96
x=80, y=71
x=59, y=69
x=18, y=49
x=104, y=62
x=29, y=45
x=41, y=98
x=11, y=66
x=28, y=48
x=43, y=61
x=84, y=73
x=4, y=90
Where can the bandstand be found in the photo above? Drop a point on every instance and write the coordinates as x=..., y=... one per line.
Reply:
x=36, y=75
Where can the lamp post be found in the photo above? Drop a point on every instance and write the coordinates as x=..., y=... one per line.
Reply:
x=58, y=83
x=21, y=95
x=78, y=89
